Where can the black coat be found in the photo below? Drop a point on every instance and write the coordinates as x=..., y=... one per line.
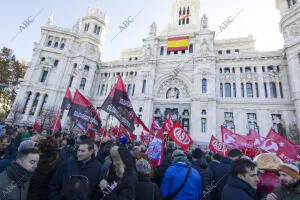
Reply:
x=206, y=176
x=38, y=189
x=223, y=171
x=126, y=187
x=238, y=189
x=92, y=169
x=146, y=190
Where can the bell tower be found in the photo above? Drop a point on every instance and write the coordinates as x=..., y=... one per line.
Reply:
x=290, y=28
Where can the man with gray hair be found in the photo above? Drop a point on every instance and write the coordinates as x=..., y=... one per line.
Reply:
x=145, y=189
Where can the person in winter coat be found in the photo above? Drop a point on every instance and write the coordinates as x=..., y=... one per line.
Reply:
x=223, y=171
x=175, y=176
x=290, y=184
x=243, y=182
x=123, y=187
x=38, y=189
x=14, y=181
x=200, y=164
x=161, y=170
x=85, y=166
x=145, y=189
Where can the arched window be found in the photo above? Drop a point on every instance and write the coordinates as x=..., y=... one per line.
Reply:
x=26, y=102
x=221, y=89
x=234, y=89
x=56, y=63
x=42, y=59
x=187, y=20
x=34, y=104
x=56, y=45
x=273, y=92
x=227, y=90
x=62, y=46
x=45, y=99
x=247, y=69
x=98, y=30
x=49, y=43
x=249, y=90
x=82, y=83
x=95, y=29
x=129, y=89
x=191, y=48
x=204, y=82
x=86, y=27
x=162, y=51
x=86, y=68
x=188, y=10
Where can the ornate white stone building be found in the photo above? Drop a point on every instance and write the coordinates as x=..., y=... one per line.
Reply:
x=211, y=83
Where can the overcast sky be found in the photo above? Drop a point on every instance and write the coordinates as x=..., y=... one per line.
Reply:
x=259, y=18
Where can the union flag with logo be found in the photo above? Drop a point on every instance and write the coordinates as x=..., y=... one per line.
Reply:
x=180, y=136
x=119, y=105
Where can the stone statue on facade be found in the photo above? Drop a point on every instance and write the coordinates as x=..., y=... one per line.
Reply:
x=153, y=29
x=172, y=94
x=204, y=22
x=204, y=48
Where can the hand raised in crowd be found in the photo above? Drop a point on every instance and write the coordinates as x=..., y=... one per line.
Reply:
x=272, y=196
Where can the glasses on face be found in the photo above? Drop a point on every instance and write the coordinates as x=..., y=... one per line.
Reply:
x=82, y=177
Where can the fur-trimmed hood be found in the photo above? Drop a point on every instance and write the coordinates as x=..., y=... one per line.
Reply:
x=122, y=159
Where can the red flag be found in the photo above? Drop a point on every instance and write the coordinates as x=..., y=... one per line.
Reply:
x=67, y=101
x=154, y=126
x=258, y=139
x=216, y=146
x=56, y=126
x=144, y=137
x=180, y=136
x=284, y=149
x=137, y=120
x=132, y=136
x=168, y=125
x=119, y=105
x=235, y=140
x=36, y=126
x=85, y=113
x=155, y=151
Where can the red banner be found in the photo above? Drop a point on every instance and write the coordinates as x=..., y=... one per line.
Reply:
x=168, y=125
x=180, y=136
x=56, y=126
x=284, y=149
x=216, y=146
x=36, y=126
x=154, y=126
x=235, y=140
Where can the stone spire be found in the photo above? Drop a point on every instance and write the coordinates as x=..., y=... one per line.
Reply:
x=50, y=19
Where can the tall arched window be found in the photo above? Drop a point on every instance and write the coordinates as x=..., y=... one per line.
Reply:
x=227, y=90
x=273, y=92
x=26, y=102
x=204, y=82
x=191, y=48
x=56, y=45
x=129, y=89
x=45, y=99
x=62, y=46
x=249, y=90
x=49, y=43
x=34, y=104
x=221, y=89
x=82, y=83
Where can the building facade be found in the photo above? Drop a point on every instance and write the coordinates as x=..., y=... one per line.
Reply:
x=211, y=83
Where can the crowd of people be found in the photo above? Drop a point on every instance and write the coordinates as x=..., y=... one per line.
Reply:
x=44, y=165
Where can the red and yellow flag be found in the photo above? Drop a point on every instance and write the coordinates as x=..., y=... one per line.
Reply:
x=178, y=43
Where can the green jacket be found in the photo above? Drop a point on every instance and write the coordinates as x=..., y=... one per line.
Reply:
x=288, y=193
x=9, y=190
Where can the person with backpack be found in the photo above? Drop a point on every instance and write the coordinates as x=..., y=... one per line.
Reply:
x=181, y=181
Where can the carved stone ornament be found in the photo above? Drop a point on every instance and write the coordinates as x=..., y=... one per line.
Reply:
x=175, y=83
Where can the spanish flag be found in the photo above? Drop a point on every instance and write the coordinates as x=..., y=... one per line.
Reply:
x=178, y=43
x=182, y=16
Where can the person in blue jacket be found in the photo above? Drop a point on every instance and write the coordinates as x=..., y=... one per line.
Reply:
x=175, y=175
x=243, y=182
